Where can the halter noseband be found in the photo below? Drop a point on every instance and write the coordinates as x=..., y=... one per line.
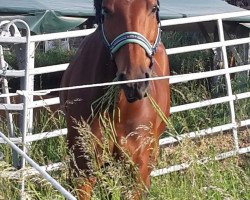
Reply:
x=133, y=37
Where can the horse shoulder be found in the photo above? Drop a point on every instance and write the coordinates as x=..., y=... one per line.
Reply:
x=162, y=60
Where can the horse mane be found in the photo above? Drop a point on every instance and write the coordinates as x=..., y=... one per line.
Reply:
x=98, y=10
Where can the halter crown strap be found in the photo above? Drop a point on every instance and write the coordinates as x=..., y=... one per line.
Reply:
x=132, y=37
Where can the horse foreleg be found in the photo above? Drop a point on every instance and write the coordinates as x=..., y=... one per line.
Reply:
x=143, y=177
x=142, y=158
x=85, y=188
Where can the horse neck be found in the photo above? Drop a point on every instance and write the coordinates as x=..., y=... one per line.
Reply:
x=104, y=64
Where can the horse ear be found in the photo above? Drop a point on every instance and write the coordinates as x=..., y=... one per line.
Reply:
x=98, y=10
x=158, y=12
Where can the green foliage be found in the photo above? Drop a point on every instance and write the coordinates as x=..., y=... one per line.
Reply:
x=44, y=81
x=51, y=57
x=11, y=60
x=214, y=180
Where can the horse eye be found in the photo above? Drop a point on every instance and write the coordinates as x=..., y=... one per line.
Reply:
x=105, y=11
x=155, y=9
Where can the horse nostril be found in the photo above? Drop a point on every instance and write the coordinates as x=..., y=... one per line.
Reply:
x=151, y=63
x=147, y=75
x=121, y=77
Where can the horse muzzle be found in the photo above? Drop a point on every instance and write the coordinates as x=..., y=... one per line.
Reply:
x=134, y=91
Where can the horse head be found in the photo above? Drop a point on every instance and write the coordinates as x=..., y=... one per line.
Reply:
x=131, y=31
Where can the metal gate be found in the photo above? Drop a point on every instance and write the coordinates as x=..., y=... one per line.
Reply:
x=27, y=44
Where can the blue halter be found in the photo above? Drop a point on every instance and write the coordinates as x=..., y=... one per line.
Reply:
x=132, y=37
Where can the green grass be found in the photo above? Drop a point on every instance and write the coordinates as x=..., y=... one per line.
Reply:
x=215, y=180
x=229, y=178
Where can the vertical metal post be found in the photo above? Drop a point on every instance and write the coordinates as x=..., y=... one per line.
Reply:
x=27, y=116
x=215, y=81
x=26, y=62
x=248, y=58
x=9, y=117
x=228, y=83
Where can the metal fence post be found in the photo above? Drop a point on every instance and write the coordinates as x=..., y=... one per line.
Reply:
x=9, y=117
x=6, y=32
x=25, y=56
x=228, y=83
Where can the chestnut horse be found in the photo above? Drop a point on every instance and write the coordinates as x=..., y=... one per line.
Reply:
x=126, y=45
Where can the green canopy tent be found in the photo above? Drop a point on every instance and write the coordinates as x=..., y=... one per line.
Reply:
x=49, y=16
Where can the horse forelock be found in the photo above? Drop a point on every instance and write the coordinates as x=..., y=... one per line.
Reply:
x=98, y=9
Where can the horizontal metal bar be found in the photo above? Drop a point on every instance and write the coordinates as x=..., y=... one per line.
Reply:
x=195, y=134
x=205, y=18
x=46, y=135
x=61, y=35
x=13, y=39
x=236, y=41
x=12, y=73
x=38, y=136
x=11, y=107
x=245, y=123
x=192, y=48
x=242, y=96
x=205, y=46
x=204, y=132
x=49, y=69
x=44, y=102
x=210, y=102
x=201, y=75
x=205, y=160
